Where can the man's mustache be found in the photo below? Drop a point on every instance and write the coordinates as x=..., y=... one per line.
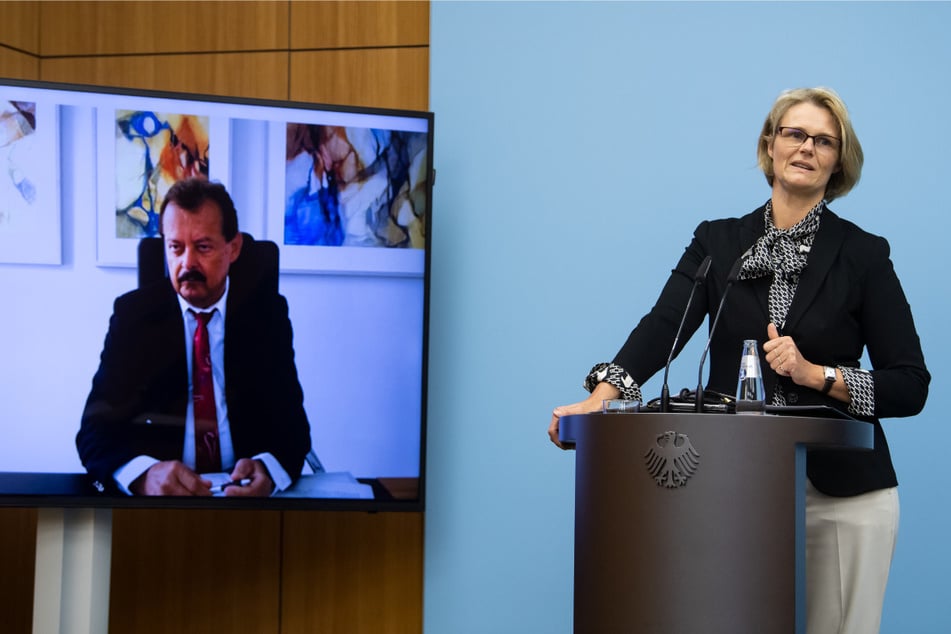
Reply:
x=192, y=276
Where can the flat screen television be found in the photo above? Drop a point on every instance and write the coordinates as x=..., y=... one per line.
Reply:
x=345, y=193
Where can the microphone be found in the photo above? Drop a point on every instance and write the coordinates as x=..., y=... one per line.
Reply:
x=730, y=280
x=698, y=279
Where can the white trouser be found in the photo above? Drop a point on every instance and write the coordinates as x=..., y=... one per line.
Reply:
x=849, y=546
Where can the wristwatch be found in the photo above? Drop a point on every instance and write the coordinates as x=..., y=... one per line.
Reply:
x=829, y=374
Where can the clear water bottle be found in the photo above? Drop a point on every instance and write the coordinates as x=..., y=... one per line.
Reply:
x=750, y=393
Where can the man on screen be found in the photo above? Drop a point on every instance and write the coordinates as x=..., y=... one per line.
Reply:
x=159, y=420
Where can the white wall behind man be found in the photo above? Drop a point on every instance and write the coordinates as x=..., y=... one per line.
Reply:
x=577, y=146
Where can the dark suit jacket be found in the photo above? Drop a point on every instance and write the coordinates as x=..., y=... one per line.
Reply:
x=139, y=394
x=848, y=297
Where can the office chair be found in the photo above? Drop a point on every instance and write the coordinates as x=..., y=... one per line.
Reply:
x=258, y=265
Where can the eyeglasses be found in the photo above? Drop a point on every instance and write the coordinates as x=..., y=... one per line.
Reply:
x=796, y=137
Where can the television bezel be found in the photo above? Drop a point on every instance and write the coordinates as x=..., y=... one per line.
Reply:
x=391, y=504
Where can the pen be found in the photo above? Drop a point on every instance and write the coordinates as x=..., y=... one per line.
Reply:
x=219, y=488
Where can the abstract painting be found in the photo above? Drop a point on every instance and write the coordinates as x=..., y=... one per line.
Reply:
x=347, y=186
x=30, y=227
x=153, y=151
x=145, y=151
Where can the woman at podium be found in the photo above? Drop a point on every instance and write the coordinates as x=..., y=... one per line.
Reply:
x=817, y=290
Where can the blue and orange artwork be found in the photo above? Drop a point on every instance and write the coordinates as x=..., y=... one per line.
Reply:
x=348, y=186
x=153, y=151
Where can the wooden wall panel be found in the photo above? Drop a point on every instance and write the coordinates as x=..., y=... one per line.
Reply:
x=386, y=77
x=17, y=559
x=351, y=24
x=254, y=75
x=114, y=28
x=357, y=573
x=189, y=571
x=20, y=26
x=18, y=65
x=209, y=571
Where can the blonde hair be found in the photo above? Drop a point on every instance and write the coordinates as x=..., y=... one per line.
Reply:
x=850, y=153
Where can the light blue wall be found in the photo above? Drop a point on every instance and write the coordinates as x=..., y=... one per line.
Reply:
x=577, y=146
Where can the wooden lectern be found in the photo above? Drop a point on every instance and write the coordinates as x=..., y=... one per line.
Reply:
x=694, y=523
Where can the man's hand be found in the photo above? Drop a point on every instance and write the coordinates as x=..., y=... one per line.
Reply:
x=261, y=484
x=170, y=477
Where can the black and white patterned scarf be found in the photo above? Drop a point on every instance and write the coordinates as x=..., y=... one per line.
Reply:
x=782, y=253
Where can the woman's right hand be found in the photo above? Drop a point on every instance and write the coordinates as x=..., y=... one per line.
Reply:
x=601, y=392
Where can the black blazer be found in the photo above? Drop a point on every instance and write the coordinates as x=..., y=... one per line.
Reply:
x=139, y=394
x=848, y=298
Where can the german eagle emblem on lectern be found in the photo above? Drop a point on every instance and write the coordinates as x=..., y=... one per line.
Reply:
x=672, y=460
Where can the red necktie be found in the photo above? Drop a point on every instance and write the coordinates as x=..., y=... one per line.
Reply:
x=207, y=453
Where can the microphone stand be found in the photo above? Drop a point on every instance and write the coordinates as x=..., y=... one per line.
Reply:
x=698, y=279
x=698, y=404
x=730, y=280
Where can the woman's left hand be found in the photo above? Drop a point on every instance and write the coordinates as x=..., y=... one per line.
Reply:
x=784, y=357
